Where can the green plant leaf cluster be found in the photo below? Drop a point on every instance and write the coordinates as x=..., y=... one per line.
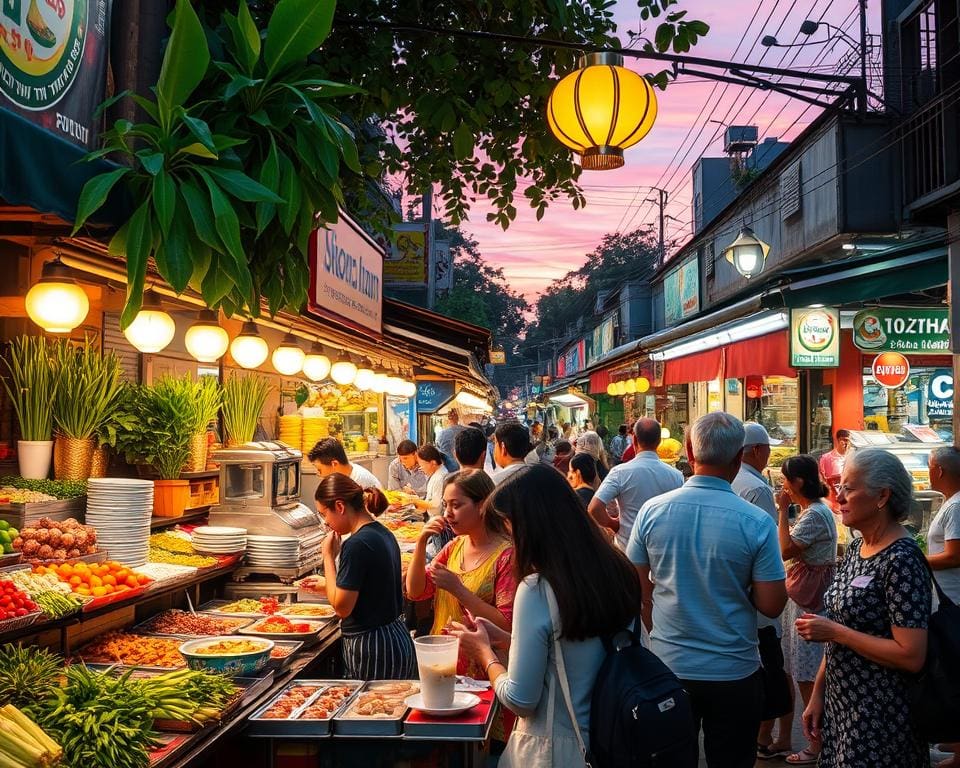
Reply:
x=32, y=384
x=241, y=152
x=244, y=396
x=89, y=389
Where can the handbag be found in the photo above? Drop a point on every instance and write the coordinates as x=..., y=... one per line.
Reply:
x=807, y=584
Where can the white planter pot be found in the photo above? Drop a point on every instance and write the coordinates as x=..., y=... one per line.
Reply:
x=35, y=457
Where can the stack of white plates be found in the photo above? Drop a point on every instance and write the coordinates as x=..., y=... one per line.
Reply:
x=273, y=551
x=219, y=539
x=120, y=510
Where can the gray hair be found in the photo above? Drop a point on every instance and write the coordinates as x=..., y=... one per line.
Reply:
x=716, y=438
x=589, y=442
x=948, y=459
x=880, y=470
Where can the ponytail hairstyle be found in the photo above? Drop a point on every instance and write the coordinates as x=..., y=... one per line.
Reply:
x=804, y=468
x=430, y=452
x=338, y=487
x=375, y=501
x=477, y=486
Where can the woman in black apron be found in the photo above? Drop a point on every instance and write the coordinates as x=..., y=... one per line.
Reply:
x=365, y=588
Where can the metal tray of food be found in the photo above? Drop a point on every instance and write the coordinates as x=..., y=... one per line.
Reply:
x=283, y=653
x=296, y=710
x=309, y=637
x=20, y=515
x=378, y=709
x=309, y=612
x=190, y=624
x=149, y=648
x=216, y=606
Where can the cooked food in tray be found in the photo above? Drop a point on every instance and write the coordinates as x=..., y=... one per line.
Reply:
x=279, y=625
x=222, y=647
x=175, y=622
x=328, y=702
x=133, y=651
x=309, y=611
x=281, y=651
x=290, y=700
x=382, y=700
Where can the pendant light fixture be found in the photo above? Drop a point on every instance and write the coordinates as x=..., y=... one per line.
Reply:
x=395, y=386
x=364, y=378
x=344, y=370
x=152, y=329
x=205, y=339
x=379, y=383
x=747, y=253
x=288, y=357
x=409, y=389
x=316, y=365
x=249, y=349
x=57, y=303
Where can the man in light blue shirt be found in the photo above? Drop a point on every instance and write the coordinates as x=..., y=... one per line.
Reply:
x=708, y=561
x=632, y=483
x=446, y=440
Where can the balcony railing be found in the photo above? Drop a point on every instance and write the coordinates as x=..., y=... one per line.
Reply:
x=930, y=152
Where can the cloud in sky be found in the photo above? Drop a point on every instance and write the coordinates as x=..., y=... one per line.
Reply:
x=534, y=253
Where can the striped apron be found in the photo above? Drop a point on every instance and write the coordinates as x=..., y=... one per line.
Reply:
x=384, y=653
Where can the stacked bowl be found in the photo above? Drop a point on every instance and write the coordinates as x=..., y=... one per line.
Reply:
x=120, y=510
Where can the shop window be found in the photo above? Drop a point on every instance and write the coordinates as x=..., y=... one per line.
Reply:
x=775, y=404
x=672, y=409
x=926, y=399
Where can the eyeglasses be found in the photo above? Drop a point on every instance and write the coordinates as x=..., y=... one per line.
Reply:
x=844, y=489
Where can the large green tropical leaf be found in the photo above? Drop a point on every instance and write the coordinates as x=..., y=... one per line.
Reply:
x=296, y=29
x=94, y=194
x=242, y=187
x=139, y=245
x=185, y=61
x=164, y=200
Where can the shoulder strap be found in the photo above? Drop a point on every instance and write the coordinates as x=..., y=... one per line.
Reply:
x=561, y=667
x=941, y=595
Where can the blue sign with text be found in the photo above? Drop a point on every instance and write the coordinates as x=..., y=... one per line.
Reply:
x=432, y=395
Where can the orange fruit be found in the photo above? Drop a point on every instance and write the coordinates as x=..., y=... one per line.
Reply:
x=143, y=579
x=109, y=580
x=66, y=569
x=75, y=581
x=121, y=575
x=109, y=588
x=40, y=569
x=82, y=591
x=122, y=588
x=98, y=591
x=96, y=581
x=132, y=581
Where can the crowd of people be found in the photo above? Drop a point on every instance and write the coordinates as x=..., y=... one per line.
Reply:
x=747, y=594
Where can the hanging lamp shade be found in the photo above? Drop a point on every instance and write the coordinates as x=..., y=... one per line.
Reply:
x=205, y=339
x=364, y=379
x=395, y=386
x=316, y=365
x=621, y=388
x=152, y=329
x=611, y=389
x=288, y=357
x=379, y=383
x=642, y=384
x=249, y=349
x=630, y=386
x=57, y=303
x=601, y=109
x=344, y=370
x=409, y=389
x=748, y=253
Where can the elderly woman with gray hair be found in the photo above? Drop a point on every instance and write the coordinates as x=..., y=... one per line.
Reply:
x=590, y=442
x=875, y=627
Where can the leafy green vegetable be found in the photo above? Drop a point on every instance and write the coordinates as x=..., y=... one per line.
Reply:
x=62, y=489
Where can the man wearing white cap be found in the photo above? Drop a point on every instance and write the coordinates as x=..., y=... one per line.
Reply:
x=750, y=484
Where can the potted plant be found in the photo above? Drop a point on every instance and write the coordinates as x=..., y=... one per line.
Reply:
x=206, y=396
x=31, y=385
x=243, y=399
x=157, y=427
x=90, y=392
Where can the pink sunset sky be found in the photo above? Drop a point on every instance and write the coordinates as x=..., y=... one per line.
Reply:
x=533, y=253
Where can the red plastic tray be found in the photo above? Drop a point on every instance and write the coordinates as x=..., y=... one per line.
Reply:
x=116, y=597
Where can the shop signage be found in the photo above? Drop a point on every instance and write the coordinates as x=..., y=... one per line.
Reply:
x=815, y=338
x=346, y=274
x=681, y=292
x=902, y=329
x=53, y=60
x=572, y=361
x=442, y=266
x=406, y=265
x=498, y=357
x=891, y=370
x=433, y=395
x=602, y=339
x=940, y=394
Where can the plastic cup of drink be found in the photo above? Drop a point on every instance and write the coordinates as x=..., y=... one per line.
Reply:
x=437, y=663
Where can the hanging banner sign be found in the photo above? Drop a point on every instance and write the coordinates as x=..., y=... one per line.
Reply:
x=940, y=394
x=406, y=264
x=346, y=274
x=433, y=395
x=53, y=64
x=498, y=357
x=891, y=370
x=815, y=338
x=902, y=329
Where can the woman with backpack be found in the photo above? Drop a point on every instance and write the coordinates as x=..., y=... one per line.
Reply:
x=575, y=589
x=875, y=627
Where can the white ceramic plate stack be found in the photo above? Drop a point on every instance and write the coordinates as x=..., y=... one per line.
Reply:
x=219, y=539
x=273, y=551
x=120, y=509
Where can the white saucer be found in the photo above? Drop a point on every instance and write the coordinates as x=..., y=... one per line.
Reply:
x=461, y=703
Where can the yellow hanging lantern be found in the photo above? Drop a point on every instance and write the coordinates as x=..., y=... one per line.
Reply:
x=630, y=386
x=642, y=384
x=600, y=110
x=611, y=389
x=621, y=388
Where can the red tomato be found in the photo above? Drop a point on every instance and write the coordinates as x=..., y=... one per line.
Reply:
x=21, y=612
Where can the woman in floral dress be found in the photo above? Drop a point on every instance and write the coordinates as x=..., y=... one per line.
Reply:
x=875, y=626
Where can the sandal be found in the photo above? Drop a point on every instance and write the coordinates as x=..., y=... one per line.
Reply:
x=769, y=752
x=803, y=757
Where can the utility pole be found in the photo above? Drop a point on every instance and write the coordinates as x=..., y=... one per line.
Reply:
x=863, y=56
x=661, y=203
x=427, y=216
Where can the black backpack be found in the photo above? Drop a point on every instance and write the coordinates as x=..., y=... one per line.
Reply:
x=640, y=715
x=935, y=693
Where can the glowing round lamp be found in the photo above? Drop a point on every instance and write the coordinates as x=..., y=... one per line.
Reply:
x=364, y=379
x=379, y=383
x=249, y=349
x=664, y=433
x=409, y=389
x=643, y=384
x=152, y=329
x=747, y=253
x=395, y=386
x=600, y=110
x=344, y=370
x=611, y=389
x=288, y=357
x=205, y=339
x=621, y=388
x=630, y=386
x=57, y=303
x=316, y=365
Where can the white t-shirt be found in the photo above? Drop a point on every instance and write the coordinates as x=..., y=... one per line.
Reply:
x=364, y=477
x=944, y=527
x=434, y=495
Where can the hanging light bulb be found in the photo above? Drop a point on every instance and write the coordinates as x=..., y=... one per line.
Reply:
x=57, y=303
x=288, y=357
x=205, y=339
x=344, y=370
x=611, y=389
x=316, y=365
x=364, y=379
x=249, y=349
x=152, y=329
x=409, y=389
x=394, y=386
x=621, y=388
x=379, y=383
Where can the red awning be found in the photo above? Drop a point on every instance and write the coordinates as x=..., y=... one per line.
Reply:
x=599, y=380
x=763, y=356
x=700, y=366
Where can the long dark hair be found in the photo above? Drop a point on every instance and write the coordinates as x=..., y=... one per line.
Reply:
x=597, y=589
x=338, y=487
x=805, y=468
x=477, y=486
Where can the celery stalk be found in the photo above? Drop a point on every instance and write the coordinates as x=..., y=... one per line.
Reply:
x=33, y=730
x=6, y=761
x=17, y=747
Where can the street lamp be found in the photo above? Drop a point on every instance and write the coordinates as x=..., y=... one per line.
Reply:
x=57, y=303
x=747, y=253
x=601, y=109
